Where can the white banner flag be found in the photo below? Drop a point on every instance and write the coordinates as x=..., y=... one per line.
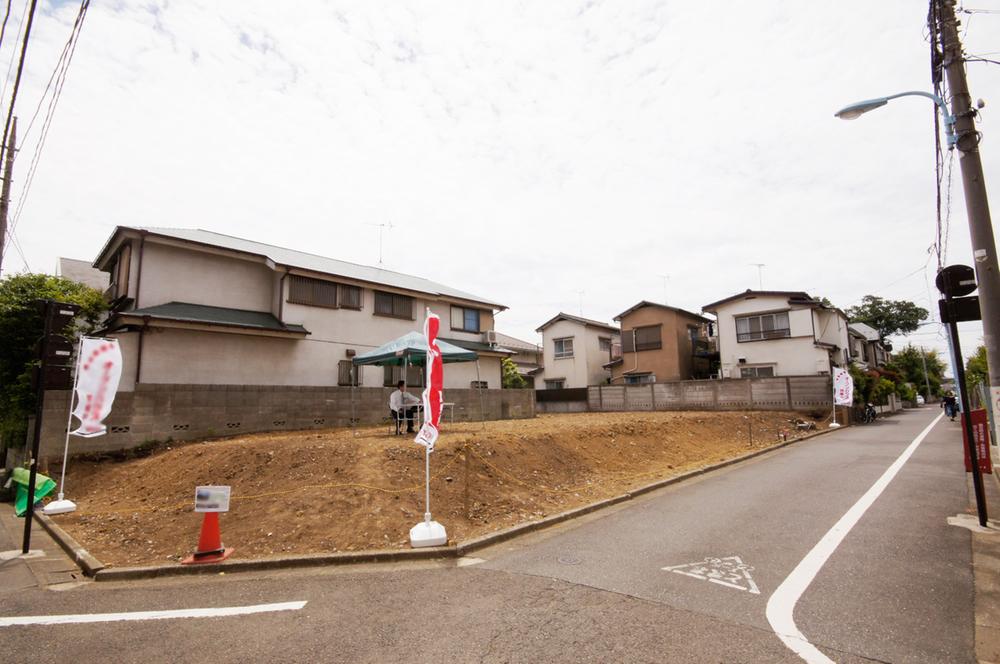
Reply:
x=843, y=387
x=98, y=370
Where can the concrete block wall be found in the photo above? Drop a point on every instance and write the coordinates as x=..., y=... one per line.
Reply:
x=158, y=412
x=779, y=393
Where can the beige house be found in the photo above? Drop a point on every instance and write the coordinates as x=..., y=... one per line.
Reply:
x=779, y=333
x=574, y=352
x=661, y=343
x=195, y=307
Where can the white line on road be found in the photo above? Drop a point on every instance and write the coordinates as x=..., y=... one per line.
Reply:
x=150, y=615
x=781, y=605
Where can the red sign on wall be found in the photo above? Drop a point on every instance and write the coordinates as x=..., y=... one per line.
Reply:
x=980, y=433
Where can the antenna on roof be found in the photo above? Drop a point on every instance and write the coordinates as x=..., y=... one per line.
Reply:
x=760, y=273
x=666, y=278
x=580, y=293
x=381, y=227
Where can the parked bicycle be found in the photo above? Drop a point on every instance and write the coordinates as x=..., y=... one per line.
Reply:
x=869, y=414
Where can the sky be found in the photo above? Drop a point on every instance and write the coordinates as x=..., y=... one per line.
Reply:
x=552, y=156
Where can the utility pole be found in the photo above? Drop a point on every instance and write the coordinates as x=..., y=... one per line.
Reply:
x=974, y=183
x=927, y=381
x=5, y=191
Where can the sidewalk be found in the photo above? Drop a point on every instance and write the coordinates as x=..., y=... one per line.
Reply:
x=986, y=573
x=47, y=565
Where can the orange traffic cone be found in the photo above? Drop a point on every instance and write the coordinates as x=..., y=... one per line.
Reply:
x=210, y=546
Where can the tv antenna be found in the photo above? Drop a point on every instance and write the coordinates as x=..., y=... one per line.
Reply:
x=760, y=274
x=580, y=293
x=381, y=227
x=666, y=278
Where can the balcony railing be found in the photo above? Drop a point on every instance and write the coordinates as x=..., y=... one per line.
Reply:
x=761, y=335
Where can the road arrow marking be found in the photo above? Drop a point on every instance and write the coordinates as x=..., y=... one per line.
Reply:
x=149, y=615
x=731, y=572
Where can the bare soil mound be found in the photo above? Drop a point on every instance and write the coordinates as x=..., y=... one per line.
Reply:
x=338, y=490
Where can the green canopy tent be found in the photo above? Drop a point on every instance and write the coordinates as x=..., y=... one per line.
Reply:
x=411, y=349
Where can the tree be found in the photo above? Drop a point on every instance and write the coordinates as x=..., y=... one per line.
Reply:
x=21, y=327
x=909, y=366
x=887, y=316
x=976, y=370
x=510, y=378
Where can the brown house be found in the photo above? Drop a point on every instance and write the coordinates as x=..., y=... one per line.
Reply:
x=661, y=343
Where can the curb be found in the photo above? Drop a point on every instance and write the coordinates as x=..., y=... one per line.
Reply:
x=99, y=572
x=90, y=565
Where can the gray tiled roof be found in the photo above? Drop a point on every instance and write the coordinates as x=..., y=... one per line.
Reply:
x=307, y=261
x=199, y=313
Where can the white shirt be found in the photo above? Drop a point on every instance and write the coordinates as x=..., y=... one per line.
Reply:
x=399, y=398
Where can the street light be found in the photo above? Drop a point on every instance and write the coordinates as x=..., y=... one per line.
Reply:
x=857, y=109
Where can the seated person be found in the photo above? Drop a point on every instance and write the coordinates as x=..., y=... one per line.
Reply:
x=398, y=402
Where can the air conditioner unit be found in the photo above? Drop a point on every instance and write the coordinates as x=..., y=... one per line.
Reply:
x=350, y=352
x=490, y=337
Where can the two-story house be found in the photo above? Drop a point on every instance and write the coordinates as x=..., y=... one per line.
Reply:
x=661, y=343
x=778, y=333
x=867, y=348
x=574, y=351
x=196, y=307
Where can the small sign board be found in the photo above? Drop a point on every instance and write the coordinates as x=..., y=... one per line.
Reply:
x=211, y=499
x=980, y=434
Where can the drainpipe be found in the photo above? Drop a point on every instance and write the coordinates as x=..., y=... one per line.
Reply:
x=138, y=276
x=138, y=357
x=281, y=296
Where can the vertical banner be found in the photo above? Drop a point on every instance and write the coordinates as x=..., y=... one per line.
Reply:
x=843, y=387
x=98, y=370
x=980, y=434
x=433, y=397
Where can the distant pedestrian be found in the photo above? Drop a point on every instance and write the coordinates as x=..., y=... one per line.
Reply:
x=950, y=405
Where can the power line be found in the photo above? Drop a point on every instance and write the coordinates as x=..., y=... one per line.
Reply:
x=59, y=74
x=17, y=79
x=3, y=28
x=13, y=54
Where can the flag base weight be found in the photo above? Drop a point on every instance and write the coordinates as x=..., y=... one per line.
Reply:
x=834, y=425
x=428, y=533
x=61, y=506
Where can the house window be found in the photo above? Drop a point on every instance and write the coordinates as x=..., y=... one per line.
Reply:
x=118, y=286
x=312, y=292
x=605, y=344
x=479, y=385
x=763, y=326
x=350, y=297
x=557, y=384
x=642, y=338
x=392, y=375
x=756, y=372
x=465, y=319
x=391, y=304
x=564, y=348
x=347, y=373
x=640, y=379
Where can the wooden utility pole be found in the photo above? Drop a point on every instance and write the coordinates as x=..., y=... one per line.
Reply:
x=984, y=252
x=8, y=169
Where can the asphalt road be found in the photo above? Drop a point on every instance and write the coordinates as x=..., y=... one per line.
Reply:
x=898, y=588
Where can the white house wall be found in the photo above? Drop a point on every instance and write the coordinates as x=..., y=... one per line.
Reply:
x=584, y=368
x=172, y=274
x=795, y=355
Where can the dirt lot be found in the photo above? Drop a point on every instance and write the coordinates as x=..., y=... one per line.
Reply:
x=332, y=490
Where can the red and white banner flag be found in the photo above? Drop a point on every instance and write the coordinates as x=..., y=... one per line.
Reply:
x=98, y=370
x=843, y=387
x=433, y=393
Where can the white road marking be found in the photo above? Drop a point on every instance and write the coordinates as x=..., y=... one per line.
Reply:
x=781, y=605
x=731, y=572
x=150, y=615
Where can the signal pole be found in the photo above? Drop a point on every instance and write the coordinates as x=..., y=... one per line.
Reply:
x=5, y=191
x=980, y=227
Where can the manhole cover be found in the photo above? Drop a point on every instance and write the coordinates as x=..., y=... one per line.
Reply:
x=568, y=560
